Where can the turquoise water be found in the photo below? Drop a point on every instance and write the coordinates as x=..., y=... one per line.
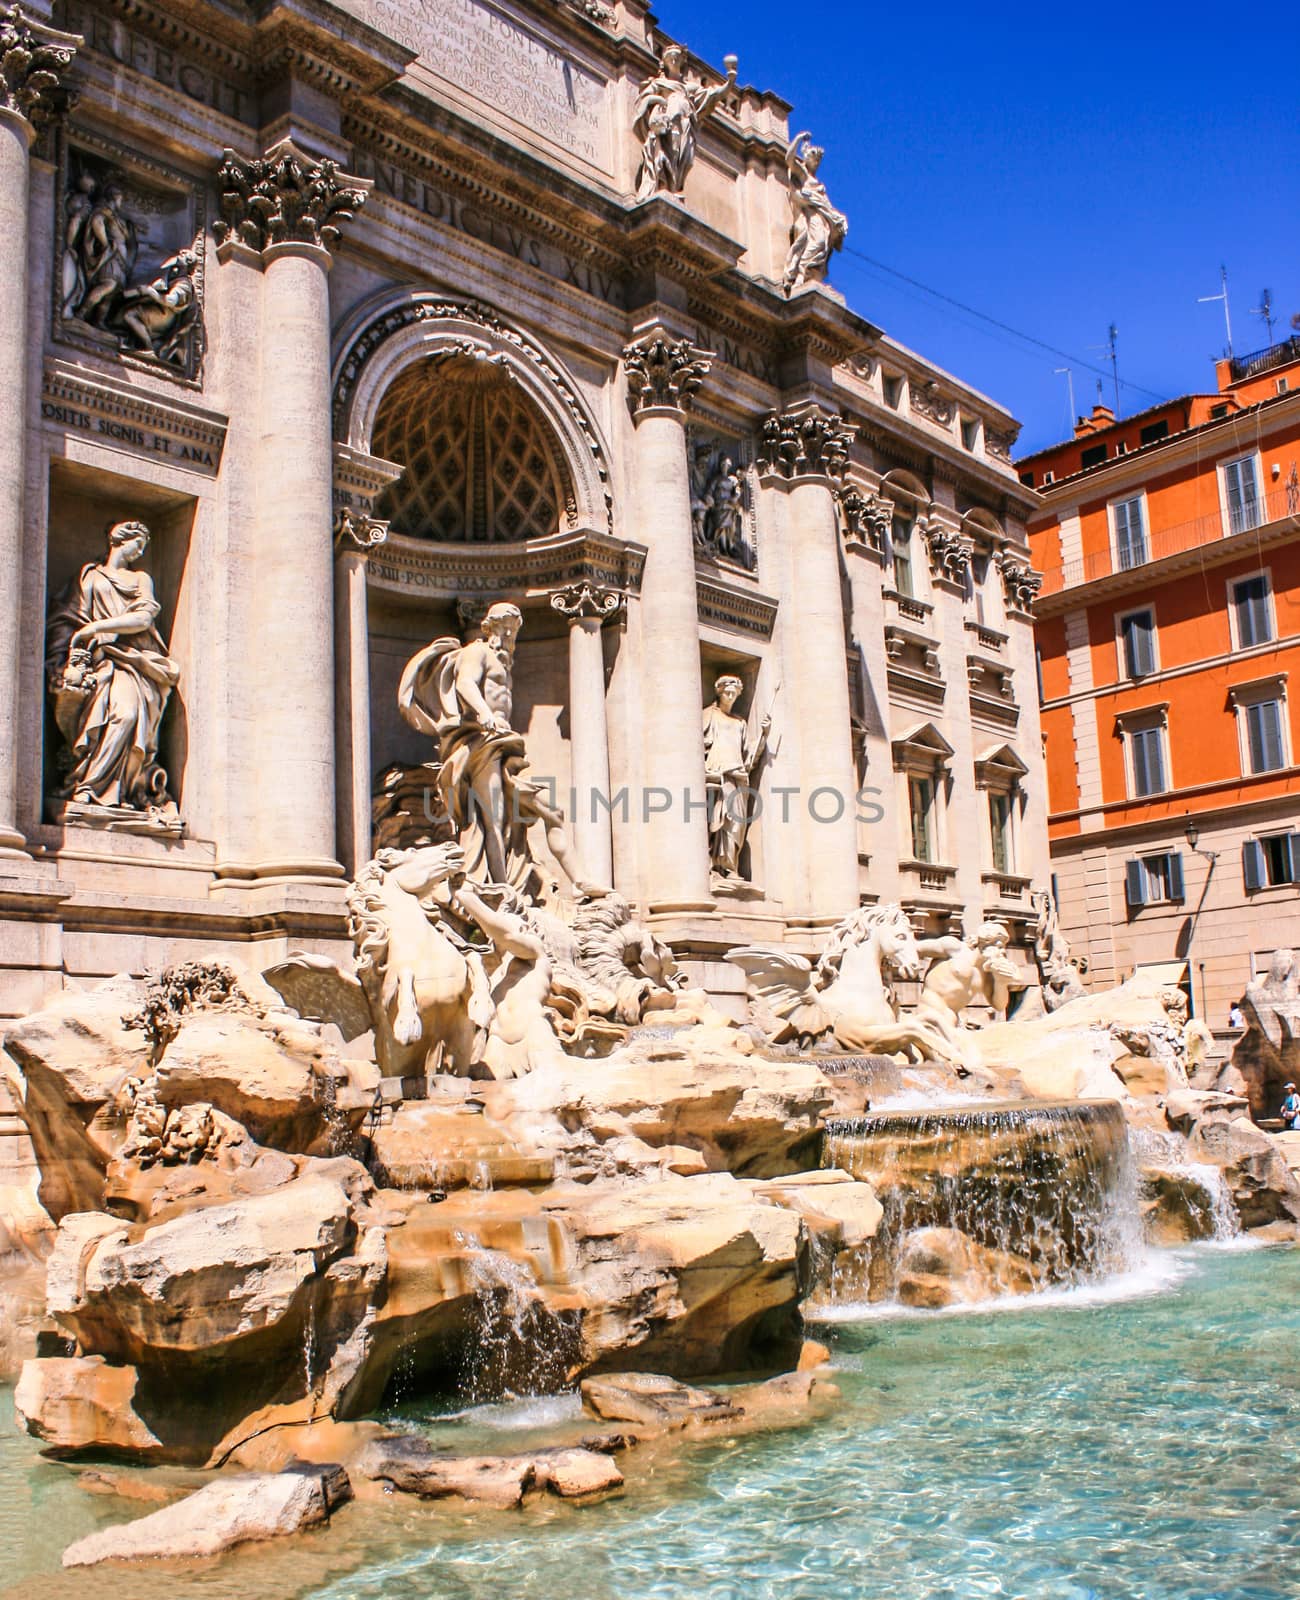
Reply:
x=1092, y=1449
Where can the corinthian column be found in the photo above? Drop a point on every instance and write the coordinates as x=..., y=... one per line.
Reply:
x=587, y=606
x=662, y=376
x=805, y=454
x=33, y=60
x=285, y=212
x=355, y=536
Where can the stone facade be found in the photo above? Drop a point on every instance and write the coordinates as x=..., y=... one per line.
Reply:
x=377, y=314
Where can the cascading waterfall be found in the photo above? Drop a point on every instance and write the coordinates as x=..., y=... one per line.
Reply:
x=1054, y=1186
x=518, y=1346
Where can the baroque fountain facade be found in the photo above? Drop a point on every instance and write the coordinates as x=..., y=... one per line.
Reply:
x=519, y=728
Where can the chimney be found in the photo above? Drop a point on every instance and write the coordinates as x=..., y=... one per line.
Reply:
x=1102, y=418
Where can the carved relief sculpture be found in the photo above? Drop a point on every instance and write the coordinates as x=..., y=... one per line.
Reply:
x=718, y=503
x=668, y=113
x=462, y=694
x=109, y=223
x=664, y=372
x=951, y=551
x=109, y=679
x=33, y=60
x=731, y=757
x=1059, y=974
x=819, y=229
x=866, y=518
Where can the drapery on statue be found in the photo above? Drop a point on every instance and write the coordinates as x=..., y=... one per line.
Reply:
x=462, y=694
x=1060, y=976
x=848, y=993
x=669, y=111
x=819, y=229
x=730, y=759
x=110, y=678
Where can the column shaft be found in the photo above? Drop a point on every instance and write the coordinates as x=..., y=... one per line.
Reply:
x=589, y=747
x=15, y=138
x=676, y=853
x=817, y=670
x=295, y=570
x=352, y=709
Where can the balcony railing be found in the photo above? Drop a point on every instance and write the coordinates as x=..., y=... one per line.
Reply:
x=1160, y=543
x=1277, y=355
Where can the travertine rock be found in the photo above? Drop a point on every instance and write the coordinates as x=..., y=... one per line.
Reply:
x=942, y=1267
x=1264, y=1188
x=229, y=1512
x=75, y=1058
x=412, y=1466
x=82, y=1403
x=1177, y=1207
x=652, y=1400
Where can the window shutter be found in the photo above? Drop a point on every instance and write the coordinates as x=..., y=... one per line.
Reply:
x=1264, y=735
x=1242, y=494
x=1177, y=888
x=1135, y=884
x=1252, y=865
x=1292, y=856
x=1139, y=644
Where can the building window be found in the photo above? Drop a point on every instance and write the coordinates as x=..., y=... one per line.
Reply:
x=1027, y=478
x=921, y=798
x=1048, y=477
x=893, y=390
x=1147, y=754
x=1093, y=456
x=1271, y=862
x=901, y=539
x=1217, y=413
x=1154, y=880
x=970, y=433
x=1138, y=633
x=1154, y=431
x=1264, y=735
x=1130, y=533
x=1251, y=611
x=1241, y=492
x=1000, y=830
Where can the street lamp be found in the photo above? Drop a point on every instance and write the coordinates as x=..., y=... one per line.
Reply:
x=1193, y=836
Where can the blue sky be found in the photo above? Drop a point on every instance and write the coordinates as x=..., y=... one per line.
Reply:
x=1058, y=168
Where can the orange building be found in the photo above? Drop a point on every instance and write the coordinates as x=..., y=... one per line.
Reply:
x=1168, y=632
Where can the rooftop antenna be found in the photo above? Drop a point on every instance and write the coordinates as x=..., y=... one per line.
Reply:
x=1069, y=378
x=1111, y=350
x=1209, y=299
x=1265, y=309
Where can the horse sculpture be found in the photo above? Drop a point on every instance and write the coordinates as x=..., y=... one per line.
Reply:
x=848, y=993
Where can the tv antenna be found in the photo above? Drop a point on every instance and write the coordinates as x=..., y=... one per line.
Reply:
x=1209, y=299
x=1069, y=378
x=1111, y=352
x=1265, y=309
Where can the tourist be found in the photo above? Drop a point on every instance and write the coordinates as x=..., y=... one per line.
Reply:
x=1290, y=1112
x=1235, y=1018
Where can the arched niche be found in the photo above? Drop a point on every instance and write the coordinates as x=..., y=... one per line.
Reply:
x=464, y=363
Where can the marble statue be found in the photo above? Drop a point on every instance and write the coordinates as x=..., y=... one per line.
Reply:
x=462, y=694
x=819, y=229
x=160, y=316
x=107, y=244
x=1268, y=1055
x=1060, y=975
x=718, y=504
x=110, y=678
x=847, y=995
x=730, y=759
x=964, y=973
x=668, y=113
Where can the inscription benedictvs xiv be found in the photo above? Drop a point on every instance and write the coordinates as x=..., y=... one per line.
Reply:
x=491, y=56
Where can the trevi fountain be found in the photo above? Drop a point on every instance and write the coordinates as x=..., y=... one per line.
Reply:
x=538, y=1054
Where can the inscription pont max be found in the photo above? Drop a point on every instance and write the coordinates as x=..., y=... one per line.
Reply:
x=494, y=58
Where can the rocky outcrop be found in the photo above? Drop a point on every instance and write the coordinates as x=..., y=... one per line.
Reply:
x=412, y=1466
x=233, y=1511
x=943, y=1267
x=74, y=1060
x=82, y=1403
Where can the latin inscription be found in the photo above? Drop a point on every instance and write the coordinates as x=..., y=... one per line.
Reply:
x=146, y=440
x=106, y=36
x=496, y=59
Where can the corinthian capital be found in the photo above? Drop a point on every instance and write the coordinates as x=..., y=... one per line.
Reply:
x=809, y=443
x=33, y=59
x=664, y=372
x=586, y=600
x=285, y=198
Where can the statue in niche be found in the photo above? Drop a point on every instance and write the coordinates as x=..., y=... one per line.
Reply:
x=154, y=310
x=718, y=504
x=669, y=111
x=110, y=679
x=730, y=760
x=462, y=694
x=819, y=229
